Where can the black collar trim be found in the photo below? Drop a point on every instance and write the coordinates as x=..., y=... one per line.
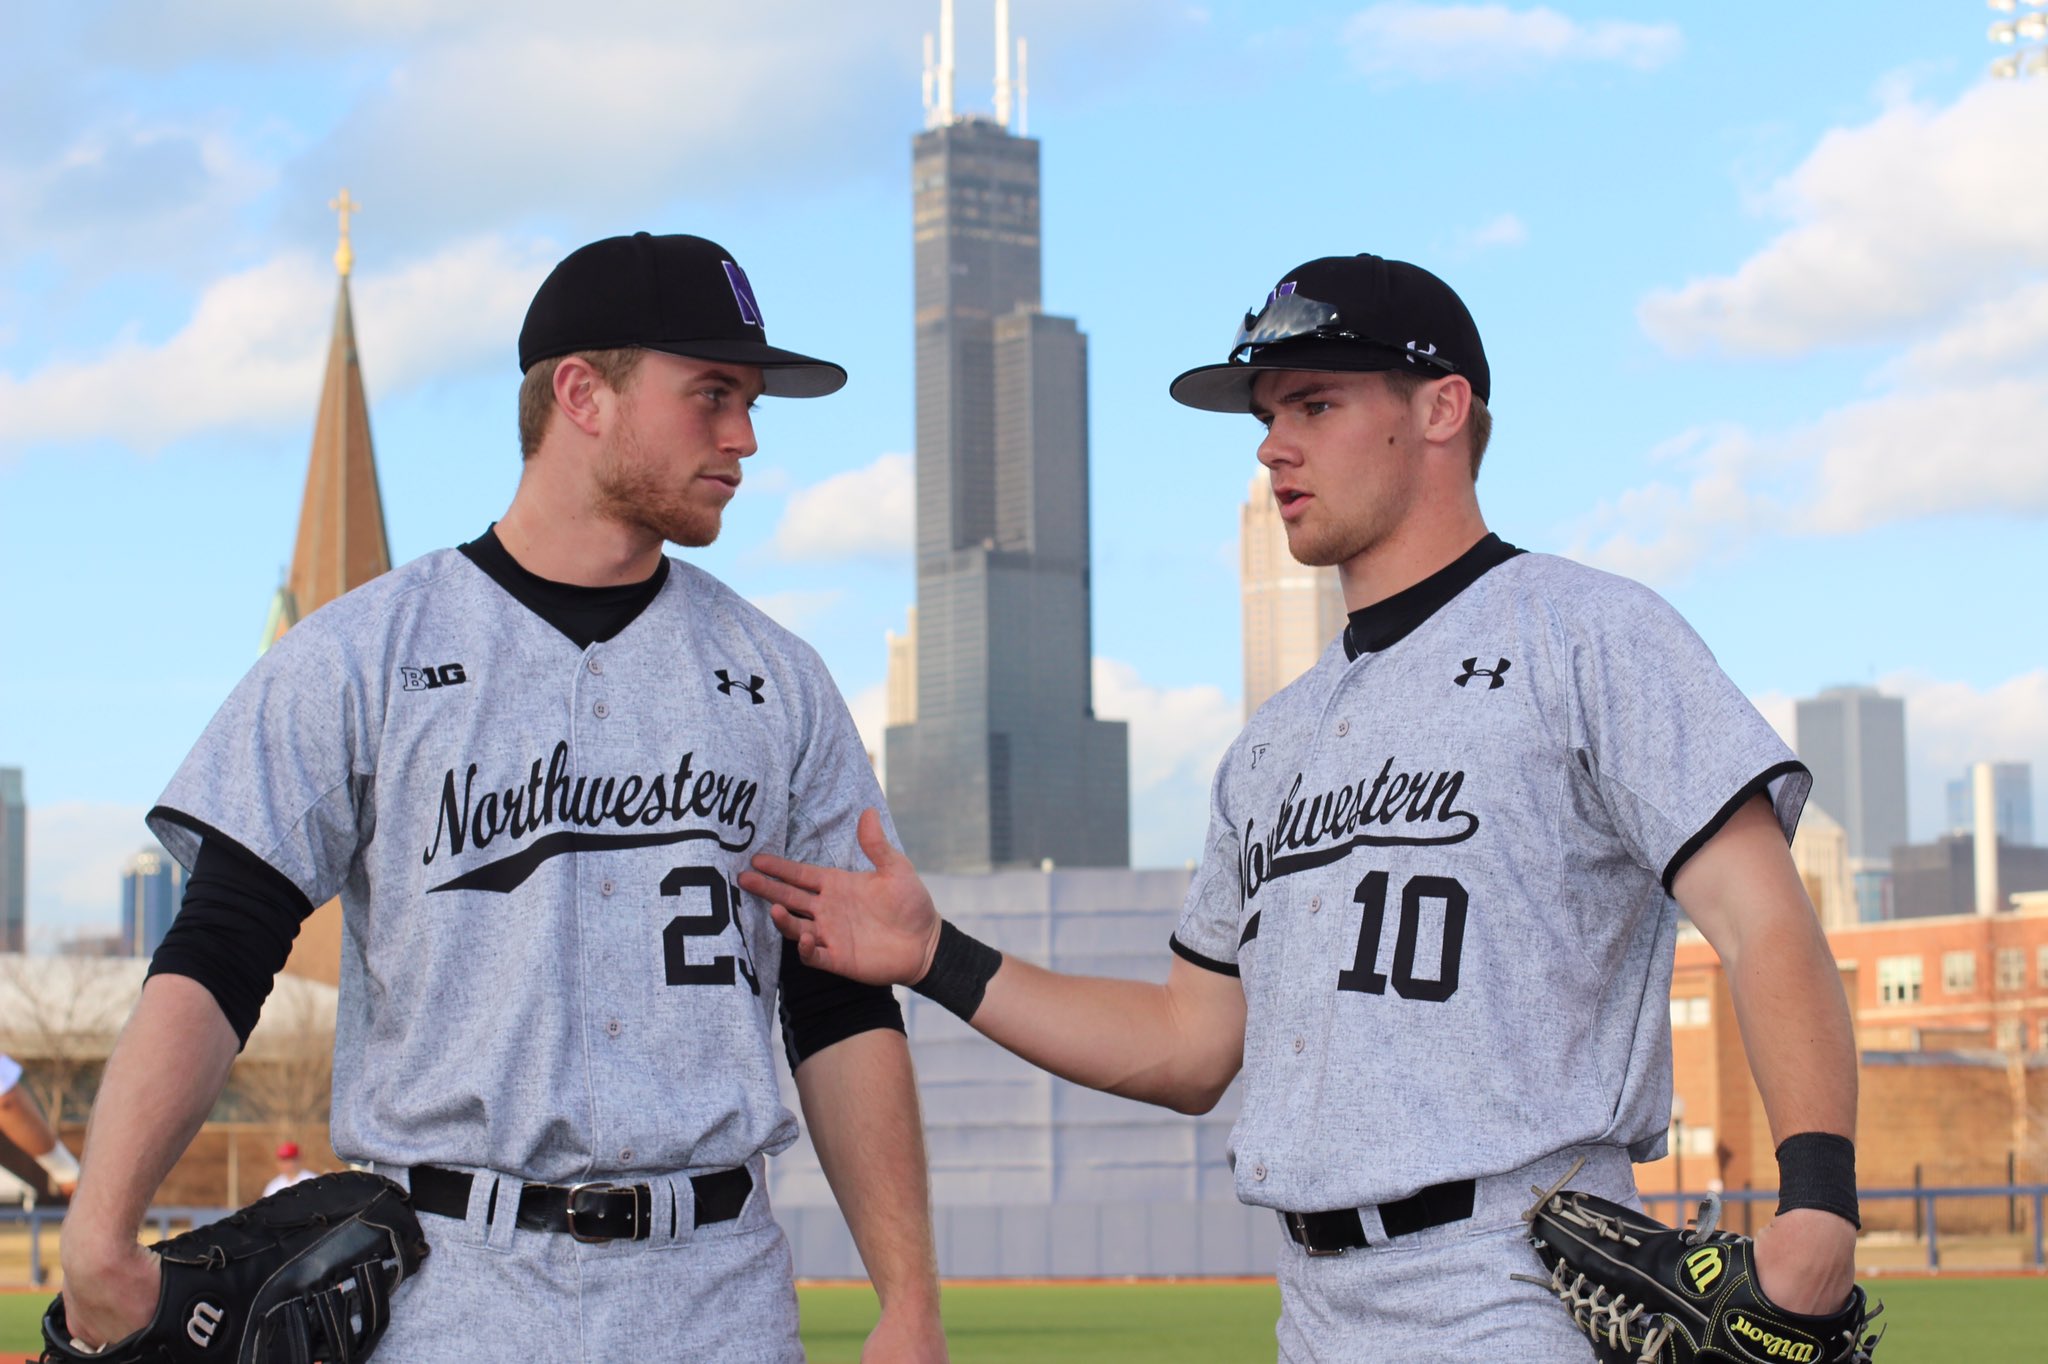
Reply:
x=587, y=615
x=1386, y=623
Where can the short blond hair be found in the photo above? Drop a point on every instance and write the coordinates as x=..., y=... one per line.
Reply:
x=1478, y=420
x=537, y=389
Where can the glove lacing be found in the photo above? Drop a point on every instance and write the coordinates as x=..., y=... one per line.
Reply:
x=1598, y=1310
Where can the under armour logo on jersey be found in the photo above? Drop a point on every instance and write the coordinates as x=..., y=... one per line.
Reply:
x=1494, y=677
x=430, y=679
x=204, y=1321
x=752, y=686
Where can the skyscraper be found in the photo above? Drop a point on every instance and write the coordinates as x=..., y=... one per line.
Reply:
x=1006, y=764
x=2012, y=786
x=13, y=861
x=1291, y=611
x=1854, y=740
x=152, y=890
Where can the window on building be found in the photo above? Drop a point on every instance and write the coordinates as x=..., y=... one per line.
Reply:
x=2041, y=967
x=2012, y=968
x=2011, y=1034
x=1958, y=972
x=1691, y=1011
x=1898, y=980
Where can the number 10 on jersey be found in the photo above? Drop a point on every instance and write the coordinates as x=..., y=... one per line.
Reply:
x=1363, y=974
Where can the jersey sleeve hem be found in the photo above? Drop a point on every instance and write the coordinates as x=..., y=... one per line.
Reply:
x=168, y=819
x=1760, y=782
x=1186, y=953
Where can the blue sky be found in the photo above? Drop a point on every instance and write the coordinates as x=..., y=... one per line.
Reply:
x=1764, y=288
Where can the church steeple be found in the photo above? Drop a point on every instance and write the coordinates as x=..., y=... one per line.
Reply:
x=342, y=542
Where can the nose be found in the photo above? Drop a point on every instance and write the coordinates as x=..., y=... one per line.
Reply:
x=1275, y=448
x=737, y=435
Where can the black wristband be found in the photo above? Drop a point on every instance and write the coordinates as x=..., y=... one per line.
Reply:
x=960, y=971
x=1818, y=1170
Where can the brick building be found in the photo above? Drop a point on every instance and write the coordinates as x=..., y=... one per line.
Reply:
x=1951, y=1020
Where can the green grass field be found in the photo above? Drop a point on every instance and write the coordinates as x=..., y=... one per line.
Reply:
x=1932, y=1321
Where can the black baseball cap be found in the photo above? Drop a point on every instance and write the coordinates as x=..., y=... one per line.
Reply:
x=679, y=294
x=1345, y=314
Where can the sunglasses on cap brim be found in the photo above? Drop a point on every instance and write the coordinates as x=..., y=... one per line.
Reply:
x=1290, y=316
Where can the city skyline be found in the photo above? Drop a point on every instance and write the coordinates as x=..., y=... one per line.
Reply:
x=1728, y=359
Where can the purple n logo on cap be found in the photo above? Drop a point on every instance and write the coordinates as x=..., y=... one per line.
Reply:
x=743, y=294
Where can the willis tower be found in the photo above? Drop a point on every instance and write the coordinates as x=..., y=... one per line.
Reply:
x=1005, y=764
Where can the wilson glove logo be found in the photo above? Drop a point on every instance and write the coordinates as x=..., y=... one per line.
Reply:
x=204, y=1321
x=1795, y=1348
x=1703, y=1268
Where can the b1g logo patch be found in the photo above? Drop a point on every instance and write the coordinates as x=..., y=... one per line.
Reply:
x=432, y=679
x=1703, y=1269
x=1772, y=1340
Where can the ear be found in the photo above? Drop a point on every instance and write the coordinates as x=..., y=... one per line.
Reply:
x=1446, y=406
x=582, y=397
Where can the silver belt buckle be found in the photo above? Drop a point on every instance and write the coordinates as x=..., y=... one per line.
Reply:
x=594, y=1186
x=1299, y=1222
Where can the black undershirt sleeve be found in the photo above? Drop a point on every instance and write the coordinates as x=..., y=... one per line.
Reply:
x=819, y=1008
x=234, y=930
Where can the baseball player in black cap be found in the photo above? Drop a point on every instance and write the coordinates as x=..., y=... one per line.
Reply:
x=532, y=767
x=1433, y=923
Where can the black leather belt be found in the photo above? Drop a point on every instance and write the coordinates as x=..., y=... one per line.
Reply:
x=597, y=1211
x=1333, y=1233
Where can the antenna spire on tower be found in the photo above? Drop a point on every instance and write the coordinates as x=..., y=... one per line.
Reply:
x=1003, y=62
x=945, y=110
x=1023, y=90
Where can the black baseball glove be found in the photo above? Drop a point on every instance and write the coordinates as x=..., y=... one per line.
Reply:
x=1650, y=1294
x=305, y=1274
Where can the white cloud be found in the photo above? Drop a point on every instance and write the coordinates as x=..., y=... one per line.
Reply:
x=75, y=853
x=1506, y=230
x=2008, y=335
x=1178, y=735
x=865, y=513
x=1963, y=449
x=1409, y=39
x=1949, y=726
x=1904, y=219
x=251, y=355
x=797, y=610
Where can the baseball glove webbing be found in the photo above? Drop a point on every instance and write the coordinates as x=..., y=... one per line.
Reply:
x=1645, y=1293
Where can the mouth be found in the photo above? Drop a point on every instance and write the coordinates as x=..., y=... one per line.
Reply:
x=730, y=482
x=1293, y=502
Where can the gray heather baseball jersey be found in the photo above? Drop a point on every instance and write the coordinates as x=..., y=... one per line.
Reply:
x=1441, y=871
x=548, y=968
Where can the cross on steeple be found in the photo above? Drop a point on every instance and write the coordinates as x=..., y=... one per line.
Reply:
x=344, y=254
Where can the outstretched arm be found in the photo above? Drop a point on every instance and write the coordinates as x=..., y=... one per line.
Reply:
x=860, y=1104
x=1744, y=894
x=1178, y=1044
